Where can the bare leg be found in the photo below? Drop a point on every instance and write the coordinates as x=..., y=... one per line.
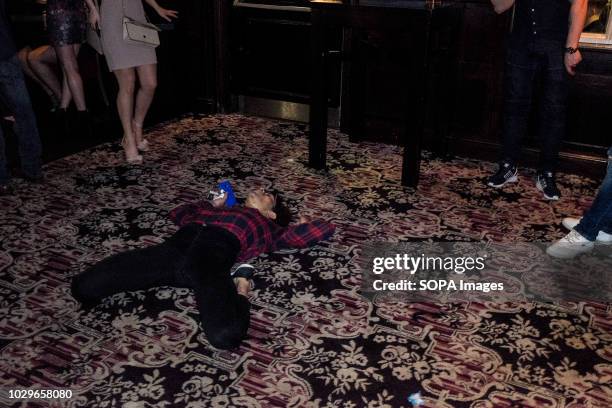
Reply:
x=147, y=78
x=23, y=56
x=125, y=105
x=42, y=61
x=66, y=94
x=68, y=58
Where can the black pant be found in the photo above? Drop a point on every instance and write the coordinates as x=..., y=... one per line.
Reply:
x=14, y=94
x=196, y=257
x=523, y=64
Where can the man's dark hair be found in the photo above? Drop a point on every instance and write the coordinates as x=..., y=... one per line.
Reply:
x=283, y=214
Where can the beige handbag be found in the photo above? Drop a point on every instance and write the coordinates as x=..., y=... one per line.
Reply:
x=139, y=33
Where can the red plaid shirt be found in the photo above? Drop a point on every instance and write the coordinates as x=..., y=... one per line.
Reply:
x=256, y=233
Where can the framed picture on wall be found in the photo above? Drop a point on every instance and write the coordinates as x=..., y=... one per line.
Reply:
x=598, y=24
x=285, y=5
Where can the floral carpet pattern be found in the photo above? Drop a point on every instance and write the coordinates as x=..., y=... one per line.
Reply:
x=313, y=341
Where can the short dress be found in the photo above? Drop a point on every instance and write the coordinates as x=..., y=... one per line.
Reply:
x=119, y=54
x=66, y=22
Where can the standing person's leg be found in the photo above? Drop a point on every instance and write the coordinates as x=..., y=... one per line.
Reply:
x=4, y=173
x=599, y=216
x=147, y=78
x=24, y=56
x=225, y=314
x=15, y=94
x=67, y=55
x=552, y=120
x=518, y=90
x=553, y=107
x=42, y=60
x=596, y=220
x=66, y=94
x=125, y=106
x=519, y=75
x=135, y=270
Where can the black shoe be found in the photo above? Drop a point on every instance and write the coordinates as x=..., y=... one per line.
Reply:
x=5, y=190
x=545, y=182
x=506, y=173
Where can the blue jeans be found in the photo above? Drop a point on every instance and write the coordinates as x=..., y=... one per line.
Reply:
x=14, y=95
x=522, y=66
x=599, y=216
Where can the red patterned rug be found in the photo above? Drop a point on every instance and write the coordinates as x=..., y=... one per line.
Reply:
x=313, y=341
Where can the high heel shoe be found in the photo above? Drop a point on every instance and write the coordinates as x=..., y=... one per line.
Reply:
x=143, y=145
x=133, y=159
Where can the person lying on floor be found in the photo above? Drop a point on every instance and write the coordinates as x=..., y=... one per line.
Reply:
x=200, y=255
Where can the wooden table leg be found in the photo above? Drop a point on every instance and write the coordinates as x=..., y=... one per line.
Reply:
x=415, y=120
x=317, y=145
x=411, y=160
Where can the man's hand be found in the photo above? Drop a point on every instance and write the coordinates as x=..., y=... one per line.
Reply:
x=304, y=219
x=577, y=18
x=219, y=202
x=501, y=6
x=572, y=61
x=242, y=286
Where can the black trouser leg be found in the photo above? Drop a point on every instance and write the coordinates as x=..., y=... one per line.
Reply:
x=224, y=313
x=15, y=95
x=135, y=270
x=196, y=257
x=519, y=75
x=553, y=105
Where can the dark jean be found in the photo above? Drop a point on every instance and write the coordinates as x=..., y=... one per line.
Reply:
x=14, y=95
x=196, y=257
x=599, y=216
x=523, y=64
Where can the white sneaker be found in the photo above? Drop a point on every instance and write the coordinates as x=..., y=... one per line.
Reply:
x=602, y=237
x=569, y=246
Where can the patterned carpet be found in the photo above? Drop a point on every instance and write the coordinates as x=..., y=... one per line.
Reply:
x=313, y=341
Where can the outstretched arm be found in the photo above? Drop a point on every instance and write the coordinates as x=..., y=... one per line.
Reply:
x=502, y=5
x=166, y=14
x=306, y=234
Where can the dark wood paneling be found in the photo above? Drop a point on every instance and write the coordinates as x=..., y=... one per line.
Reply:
x=478, y=99
x=271, y=55
x=590, y=109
